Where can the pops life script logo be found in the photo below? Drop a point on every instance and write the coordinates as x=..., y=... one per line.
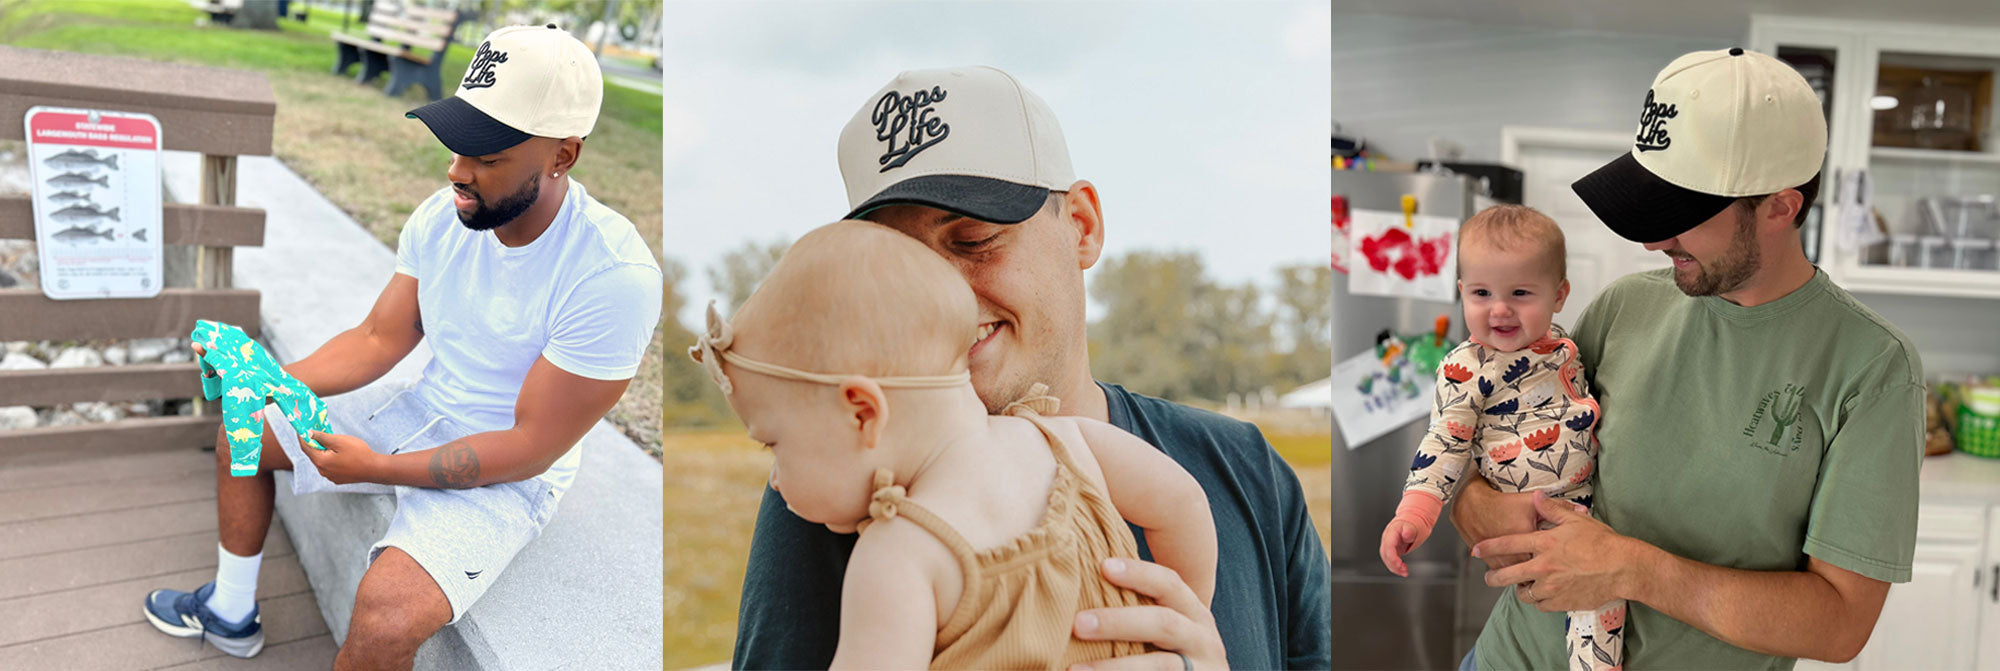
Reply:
x=1653, y=125
x=909, y=120
x=479, y=74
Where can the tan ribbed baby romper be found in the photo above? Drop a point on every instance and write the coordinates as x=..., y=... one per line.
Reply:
x=1020, y=598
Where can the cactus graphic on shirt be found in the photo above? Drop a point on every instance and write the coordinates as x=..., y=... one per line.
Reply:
x=1786, y=412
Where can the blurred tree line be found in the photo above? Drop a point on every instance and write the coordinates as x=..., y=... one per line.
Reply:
x=1160, y=326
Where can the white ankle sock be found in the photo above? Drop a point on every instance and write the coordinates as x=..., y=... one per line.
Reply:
x=235, y=585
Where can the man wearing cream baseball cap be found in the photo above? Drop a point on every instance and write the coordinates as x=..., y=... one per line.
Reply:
x=1762, y=429
x=970, y=162
x=538, y=303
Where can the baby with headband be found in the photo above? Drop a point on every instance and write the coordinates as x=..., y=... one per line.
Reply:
x=981, y=536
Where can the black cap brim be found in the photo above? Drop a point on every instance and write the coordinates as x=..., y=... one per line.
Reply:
x=982, y=198
x=1639, y=206
x=465, y=130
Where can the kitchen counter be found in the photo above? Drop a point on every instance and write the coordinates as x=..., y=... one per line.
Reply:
x=1960, y=477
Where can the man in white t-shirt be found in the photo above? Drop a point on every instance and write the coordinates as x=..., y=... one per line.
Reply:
x=538, y=302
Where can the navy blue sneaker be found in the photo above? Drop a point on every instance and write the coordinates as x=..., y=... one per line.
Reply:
x=186, y=615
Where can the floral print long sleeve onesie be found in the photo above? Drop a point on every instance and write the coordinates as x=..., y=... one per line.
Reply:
x=1527, y=420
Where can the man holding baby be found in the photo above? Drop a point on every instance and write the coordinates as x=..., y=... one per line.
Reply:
x=973, y=165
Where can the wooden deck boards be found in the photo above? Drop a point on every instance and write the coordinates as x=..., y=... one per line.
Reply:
x=82, y=540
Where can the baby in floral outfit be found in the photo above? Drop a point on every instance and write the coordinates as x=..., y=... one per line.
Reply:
x=1511, y=399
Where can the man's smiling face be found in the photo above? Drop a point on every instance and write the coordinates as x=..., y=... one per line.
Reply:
x=1028, y=278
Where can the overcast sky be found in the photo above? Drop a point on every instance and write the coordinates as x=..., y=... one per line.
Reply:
x=1203, y=124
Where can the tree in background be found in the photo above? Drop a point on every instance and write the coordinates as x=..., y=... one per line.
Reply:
x=1305, y=299
x=1165, y=328
x=742, y=268
x=688, y=399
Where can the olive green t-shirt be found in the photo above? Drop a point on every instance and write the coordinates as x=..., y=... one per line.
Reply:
x=1747, y=438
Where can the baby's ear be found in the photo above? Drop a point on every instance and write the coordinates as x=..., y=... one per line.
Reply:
x=1562, y=295
x=865, y=408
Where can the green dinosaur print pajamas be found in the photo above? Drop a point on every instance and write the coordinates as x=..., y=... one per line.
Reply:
x=246, y=378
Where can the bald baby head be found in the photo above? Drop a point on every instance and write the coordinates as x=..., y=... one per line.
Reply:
x=859, y=298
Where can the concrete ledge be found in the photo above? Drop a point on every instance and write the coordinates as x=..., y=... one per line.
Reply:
x=586, y=594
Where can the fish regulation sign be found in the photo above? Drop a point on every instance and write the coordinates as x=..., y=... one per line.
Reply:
x=96, y=196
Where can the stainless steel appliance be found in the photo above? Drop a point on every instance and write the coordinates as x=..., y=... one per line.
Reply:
x=1381, y=621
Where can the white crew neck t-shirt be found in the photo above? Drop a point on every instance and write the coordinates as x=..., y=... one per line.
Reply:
x=586, y=294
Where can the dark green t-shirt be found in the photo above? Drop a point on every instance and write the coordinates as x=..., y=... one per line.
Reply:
x=1748, y=438
x=1273, y=598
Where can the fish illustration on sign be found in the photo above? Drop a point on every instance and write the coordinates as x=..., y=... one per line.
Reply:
x=139, y=234
x=80, y=234
x=67, y=197
x=78, y=160
x=70, y=179
x=78, y=213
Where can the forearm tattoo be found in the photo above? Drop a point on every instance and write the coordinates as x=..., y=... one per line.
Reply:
x=454, y=466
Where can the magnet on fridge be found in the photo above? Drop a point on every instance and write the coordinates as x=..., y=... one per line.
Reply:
x=1409, y=211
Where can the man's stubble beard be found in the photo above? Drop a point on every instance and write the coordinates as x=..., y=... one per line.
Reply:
x=1735, y=267
x=507, y=209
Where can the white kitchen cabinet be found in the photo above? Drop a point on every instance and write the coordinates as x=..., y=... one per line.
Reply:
x=1939, y=619
x=1987, y=594
x=1932, y=621
x=1855, y=65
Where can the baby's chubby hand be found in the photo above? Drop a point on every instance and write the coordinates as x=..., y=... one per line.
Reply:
x=1398, y=539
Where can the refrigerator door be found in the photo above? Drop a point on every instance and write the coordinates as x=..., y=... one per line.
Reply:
x=1382, y=621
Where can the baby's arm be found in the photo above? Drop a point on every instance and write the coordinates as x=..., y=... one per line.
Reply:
x=1152, y=491
x=1441, y=458
x=888, y=604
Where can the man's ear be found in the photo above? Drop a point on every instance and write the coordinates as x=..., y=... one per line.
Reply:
x=568, y=150
x=865, y=407
x=1086, y=214
x=1785, y=206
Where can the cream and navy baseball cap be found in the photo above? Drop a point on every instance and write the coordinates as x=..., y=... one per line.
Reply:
x=969, y=140
x=524, y=81
x=1716, y=126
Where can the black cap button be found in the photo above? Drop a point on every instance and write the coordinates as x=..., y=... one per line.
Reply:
x=1733, y=51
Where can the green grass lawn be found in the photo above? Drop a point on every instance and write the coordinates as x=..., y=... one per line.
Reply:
x=351, y=141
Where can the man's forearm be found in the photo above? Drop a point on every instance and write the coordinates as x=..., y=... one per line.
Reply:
x=473, y=461
x=348, y=361
x=1784, y=613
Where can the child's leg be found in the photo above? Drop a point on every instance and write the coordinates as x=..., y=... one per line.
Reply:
x=1597, y=638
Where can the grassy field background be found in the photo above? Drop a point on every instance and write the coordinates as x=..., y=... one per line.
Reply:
x=351, y=141
x=715, y=481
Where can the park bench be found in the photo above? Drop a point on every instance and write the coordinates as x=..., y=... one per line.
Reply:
x=409, y=44
x=219, y=11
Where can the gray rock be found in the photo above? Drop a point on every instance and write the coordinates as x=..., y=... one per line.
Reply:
x=116, y=356
x=18, y=347
x=150, y=350
x=177, y=356
x=77, y=357
x=65, y=418
x=21, y=361
x=103, y=413
x=17, y=417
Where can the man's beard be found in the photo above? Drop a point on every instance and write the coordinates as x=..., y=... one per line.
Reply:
x=1729, y=271
x=488, y=217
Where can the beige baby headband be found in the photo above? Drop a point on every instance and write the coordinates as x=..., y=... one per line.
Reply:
x=712, y=348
